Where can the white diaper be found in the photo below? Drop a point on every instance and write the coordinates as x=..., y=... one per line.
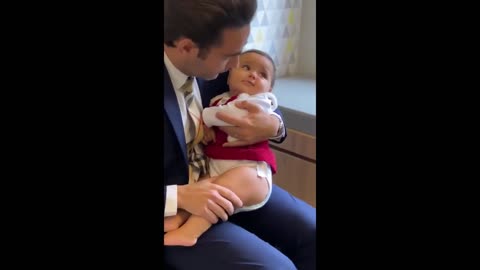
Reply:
x=219, y=166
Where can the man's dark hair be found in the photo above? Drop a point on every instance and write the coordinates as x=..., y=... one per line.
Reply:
x=266, y=55
x=203, y=21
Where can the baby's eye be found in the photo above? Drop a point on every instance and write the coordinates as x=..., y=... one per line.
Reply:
x=264, y=75
x=246, y=67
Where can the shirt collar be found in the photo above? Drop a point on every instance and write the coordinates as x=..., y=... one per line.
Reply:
x=178, y=78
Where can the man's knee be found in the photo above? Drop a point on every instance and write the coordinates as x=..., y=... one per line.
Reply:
x=284, y=263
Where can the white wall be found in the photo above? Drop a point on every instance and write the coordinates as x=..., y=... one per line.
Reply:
x=306, y=65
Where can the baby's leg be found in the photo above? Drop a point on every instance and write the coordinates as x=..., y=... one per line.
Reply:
x=243, y=181
x=174, y=222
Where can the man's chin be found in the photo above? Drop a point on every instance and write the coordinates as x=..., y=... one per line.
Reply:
x=212, y=77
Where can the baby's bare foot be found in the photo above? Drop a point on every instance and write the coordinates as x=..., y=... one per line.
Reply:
x=178, y=238
x=174, y=222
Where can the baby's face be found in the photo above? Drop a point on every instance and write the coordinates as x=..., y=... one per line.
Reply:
x=253, y=75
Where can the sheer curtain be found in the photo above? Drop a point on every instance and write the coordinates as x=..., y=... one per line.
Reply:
x=275, y=29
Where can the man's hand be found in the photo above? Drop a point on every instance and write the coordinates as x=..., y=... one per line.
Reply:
x=257, y=126
x=207, y=200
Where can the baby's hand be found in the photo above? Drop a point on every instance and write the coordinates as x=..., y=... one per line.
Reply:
x=208, y=135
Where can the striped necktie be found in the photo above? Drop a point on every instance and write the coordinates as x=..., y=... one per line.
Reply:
x=196, y=159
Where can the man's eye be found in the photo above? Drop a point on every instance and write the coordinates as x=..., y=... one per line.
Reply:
x=246, y=67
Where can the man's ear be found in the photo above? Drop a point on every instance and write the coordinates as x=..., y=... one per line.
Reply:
x=228, y=78
x=186, y=45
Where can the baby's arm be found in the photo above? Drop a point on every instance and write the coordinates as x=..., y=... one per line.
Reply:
x=208, y=135
x=266, y=101
x=210, y=118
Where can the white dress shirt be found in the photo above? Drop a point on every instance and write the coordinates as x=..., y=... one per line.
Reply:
x=178, y=79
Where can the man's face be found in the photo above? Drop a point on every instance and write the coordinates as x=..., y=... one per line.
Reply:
x=223, y=57
x=253, y=76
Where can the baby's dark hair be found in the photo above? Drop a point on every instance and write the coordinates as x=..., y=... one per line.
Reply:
x=262, y=53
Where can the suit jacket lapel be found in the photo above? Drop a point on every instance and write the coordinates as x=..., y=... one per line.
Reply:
x=201, y=84
x=172, y=110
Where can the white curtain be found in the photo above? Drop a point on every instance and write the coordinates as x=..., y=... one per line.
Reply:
x=275, y=29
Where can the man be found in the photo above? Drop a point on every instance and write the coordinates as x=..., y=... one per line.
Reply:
x=203, y=38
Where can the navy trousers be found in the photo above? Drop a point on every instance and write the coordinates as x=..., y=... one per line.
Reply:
x=280, y=235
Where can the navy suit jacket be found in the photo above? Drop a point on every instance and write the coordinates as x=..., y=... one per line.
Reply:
x=175, y=153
